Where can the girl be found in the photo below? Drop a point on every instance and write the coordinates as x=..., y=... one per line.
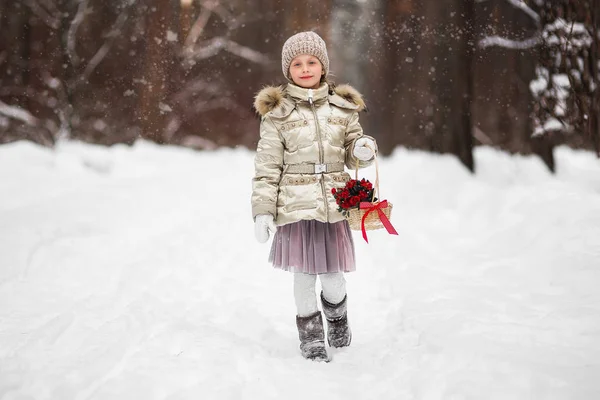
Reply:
x=309, y=130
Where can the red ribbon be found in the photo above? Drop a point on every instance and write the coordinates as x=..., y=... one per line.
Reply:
x=384, y=220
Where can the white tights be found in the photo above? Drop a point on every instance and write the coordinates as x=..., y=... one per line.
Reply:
x=333, y=285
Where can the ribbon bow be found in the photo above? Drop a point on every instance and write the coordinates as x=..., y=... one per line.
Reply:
x=384, y=220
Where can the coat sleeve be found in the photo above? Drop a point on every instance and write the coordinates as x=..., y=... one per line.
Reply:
x=354, y=132
x=268, y=164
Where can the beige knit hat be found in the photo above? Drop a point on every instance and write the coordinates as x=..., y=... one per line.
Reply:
x=303, y=43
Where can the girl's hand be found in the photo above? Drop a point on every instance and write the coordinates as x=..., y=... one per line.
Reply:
x=263, y=223
x=364, y=149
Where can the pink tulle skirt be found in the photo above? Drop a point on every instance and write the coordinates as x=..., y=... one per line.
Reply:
x=313, y=247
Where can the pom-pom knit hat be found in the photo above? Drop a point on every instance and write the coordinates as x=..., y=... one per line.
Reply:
x=303, y=43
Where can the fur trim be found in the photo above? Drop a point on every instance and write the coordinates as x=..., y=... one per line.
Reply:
x=272, y=97
x=350, y=94
x=269, y=98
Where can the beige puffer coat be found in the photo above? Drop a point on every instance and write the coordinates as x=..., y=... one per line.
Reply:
x=296, y=135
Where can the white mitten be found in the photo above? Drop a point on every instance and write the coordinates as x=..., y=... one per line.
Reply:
x=263, y=223
x=364, y=149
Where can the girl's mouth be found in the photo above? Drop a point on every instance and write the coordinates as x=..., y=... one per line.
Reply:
x=305, y=77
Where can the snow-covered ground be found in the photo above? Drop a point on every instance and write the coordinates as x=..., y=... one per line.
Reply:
x=133, y=273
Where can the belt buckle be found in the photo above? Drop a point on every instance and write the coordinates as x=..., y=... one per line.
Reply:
x=320, y=168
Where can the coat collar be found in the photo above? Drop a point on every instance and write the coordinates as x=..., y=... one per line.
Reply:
x=280, y=102
x=300, y=94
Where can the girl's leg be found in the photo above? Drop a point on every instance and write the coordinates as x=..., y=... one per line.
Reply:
x=309, y=320
x=335, y=308
x=334, y=287
x=304, y=294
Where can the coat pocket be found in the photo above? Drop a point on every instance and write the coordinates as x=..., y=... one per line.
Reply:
x=298, y=193
x=336, y=131
x=296, y=134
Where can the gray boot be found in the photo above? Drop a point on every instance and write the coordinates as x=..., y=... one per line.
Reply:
x=338, y=331
x=312, y=337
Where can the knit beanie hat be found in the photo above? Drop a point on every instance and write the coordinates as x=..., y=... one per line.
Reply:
x=304, y=43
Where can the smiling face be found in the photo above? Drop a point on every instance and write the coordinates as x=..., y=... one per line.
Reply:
x=306, y=71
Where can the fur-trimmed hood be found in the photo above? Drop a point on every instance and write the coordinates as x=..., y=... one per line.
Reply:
x=274, y=97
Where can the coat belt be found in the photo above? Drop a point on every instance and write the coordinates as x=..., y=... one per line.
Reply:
x=313, y=168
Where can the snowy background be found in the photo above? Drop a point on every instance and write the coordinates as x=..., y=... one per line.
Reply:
x=133, y=273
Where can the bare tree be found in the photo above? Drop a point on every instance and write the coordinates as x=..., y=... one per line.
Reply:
x=566, y=76
x=54, y=71
x=209, y=47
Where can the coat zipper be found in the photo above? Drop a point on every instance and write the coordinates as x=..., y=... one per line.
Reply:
x=321, y=151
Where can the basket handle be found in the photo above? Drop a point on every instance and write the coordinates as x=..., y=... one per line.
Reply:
x=376, y=171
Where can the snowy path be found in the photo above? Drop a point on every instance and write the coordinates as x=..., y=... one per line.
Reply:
x=132, y=273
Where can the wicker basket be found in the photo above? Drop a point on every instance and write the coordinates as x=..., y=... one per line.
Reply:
x=372, y=221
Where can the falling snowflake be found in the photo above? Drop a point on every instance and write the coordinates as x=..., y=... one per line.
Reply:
x=171, y=36
x=164, y=108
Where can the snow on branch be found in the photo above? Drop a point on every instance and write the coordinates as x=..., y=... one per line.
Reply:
x=50, y=6
x=71, y=34
x=550, y=125
x=212, y=47
x=508, y=43
x=208, y=8
x=232, y=22
x=53, y=21
x=206, y=49
x=247, y=53
x=18, y=113
x=198, y=26
x=114, y=32
x=568, y=35
x=521, y=5
x=565, y=83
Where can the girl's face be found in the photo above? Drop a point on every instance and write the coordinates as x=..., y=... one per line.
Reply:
x=306, y=71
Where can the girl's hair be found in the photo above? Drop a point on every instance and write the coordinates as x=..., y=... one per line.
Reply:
x=328, y=82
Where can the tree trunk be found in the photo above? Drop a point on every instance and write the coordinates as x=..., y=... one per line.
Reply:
x=453, y=87
x=594, y=117
x=463, y=136
x=14, y=42
x=156, y=63
x=392, y=77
